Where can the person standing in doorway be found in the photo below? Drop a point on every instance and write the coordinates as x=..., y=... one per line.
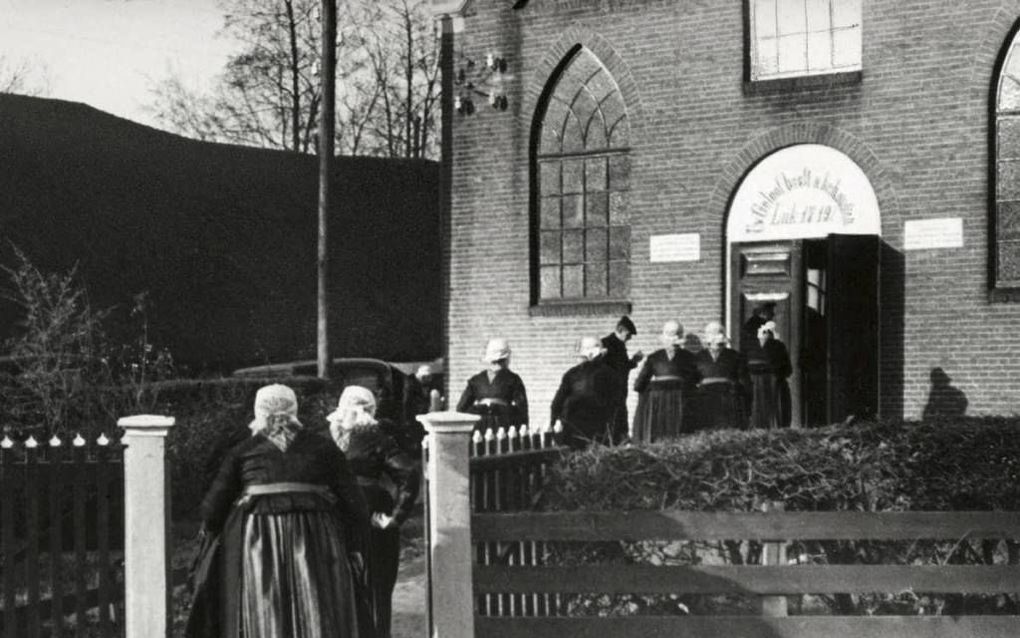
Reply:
x=587, y=399
x=762, y=313
x=665, y=387
x=769, y=367
x=615, y=346
x=496, y=393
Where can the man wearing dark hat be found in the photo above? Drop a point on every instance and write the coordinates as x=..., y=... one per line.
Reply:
x=761, y=314
x=616, y=358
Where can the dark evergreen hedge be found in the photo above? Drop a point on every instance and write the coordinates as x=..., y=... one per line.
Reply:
x=953, y=465
x=962, y=464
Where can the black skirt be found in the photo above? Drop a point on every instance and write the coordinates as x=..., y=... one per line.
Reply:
x=662, y=411
x=720, y=406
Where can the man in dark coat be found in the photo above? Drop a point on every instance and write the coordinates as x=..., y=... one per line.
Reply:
x=615, y=346
x=417, y=400
x=497, y=394
x=588, y=398
x=761, y=314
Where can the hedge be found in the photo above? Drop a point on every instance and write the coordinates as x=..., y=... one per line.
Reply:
x=967, y=464
x=951, y=465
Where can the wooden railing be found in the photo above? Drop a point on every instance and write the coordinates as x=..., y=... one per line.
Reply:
x=508, y=469
x=770, y=581
x=61, y=537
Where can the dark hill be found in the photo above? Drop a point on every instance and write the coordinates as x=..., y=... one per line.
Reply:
x=222, y=237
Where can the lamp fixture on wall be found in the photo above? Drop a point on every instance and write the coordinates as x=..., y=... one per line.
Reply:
x=474, y=80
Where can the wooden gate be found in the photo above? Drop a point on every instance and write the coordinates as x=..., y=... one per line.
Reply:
x=773, y=582
x=61, y=538
x=507, y=572
x=508, y=470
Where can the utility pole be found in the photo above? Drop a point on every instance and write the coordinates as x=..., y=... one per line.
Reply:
x=327, y=127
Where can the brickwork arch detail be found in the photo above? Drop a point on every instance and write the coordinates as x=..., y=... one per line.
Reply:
x=580, y=34
x=805, y=132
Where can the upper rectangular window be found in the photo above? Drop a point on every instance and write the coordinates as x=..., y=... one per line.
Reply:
x=792, y=38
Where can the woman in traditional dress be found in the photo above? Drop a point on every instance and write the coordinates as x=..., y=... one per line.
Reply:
x=375, y=457
x=496, y=393
x=769, y=367
x=665, y=387
x=723, y=383
x=285, y=526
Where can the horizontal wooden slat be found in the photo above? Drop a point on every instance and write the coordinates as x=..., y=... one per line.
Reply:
x=524, y=458
x=729, y=579
x=646, y=525
x=752, y=627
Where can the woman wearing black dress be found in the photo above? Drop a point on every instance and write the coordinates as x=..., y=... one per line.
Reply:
x=376, y=457
x=282, y=520
x=770, y=368
x=496, y=394
x=723, y=383
x=665, y=387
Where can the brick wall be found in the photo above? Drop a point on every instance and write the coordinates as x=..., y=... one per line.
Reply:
x=917, y=123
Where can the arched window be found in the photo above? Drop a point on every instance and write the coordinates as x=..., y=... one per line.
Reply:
x=581, y=161
x=1007, y=171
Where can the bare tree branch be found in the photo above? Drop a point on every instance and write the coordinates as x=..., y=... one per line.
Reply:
x=268, y=92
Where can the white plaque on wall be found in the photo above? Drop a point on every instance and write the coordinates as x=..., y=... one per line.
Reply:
x=945, y=232
x=803, y=191
x=679, y=247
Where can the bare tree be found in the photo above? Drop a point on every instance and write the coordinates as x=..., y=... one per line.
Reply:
x=401, y=48
x=269, y=93
x=21, y=76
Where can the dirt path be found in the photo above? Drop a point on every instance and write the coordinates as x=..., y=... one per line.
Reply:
x=409, y=600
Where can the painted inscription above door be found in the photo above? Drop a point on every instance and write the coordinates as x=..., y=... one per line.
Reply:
x=801, y=192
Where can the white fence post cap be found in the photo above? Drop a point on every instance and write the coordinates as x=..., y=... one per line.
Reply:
x=146, y=422
x=449, y=422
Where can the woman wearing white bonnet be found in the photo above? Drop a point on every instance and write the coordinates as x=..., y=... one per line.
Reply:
x=282, y=517
x=587, y=399
x=724, y=382
x=374, y=456
x=665, y=387
x=496, y=393
x=769, y=368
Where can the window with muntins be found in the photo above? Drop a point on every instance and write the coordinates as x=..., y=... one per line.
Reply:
x=582, y=165
x=792, y=38
x=1007, y=171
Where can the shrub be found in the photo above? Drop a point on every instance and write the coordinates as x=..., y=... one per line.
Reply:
x=59, y=352
x=952, y=465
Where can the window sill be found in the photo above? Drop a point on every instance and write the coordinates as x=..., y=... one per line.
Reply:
x=580, y=308
x=802, y=82
x=1004, y=295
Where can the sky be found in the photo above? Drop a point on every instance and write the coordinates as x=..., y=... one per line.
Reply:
x=108, y=53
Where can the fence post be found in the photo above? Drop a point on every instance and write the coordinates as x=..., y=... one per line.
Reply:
x=146, y=523
x=773, y=553
x=450, y=550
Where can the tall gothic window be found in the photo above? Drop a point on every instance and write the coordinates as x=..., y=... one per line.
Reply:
x=1007, y=171
x=791, y=38
x=582, y=165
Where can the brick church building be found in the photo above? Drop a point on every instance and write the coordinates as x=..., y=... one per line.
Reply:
x=856, y=163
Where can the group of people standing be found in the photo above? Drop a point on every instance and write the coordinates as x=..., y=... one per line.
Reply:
x=301, y=533
x=679, y=390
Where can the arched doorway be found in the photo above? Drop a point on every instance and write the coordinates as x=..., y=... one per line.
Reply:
x=802, y=236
